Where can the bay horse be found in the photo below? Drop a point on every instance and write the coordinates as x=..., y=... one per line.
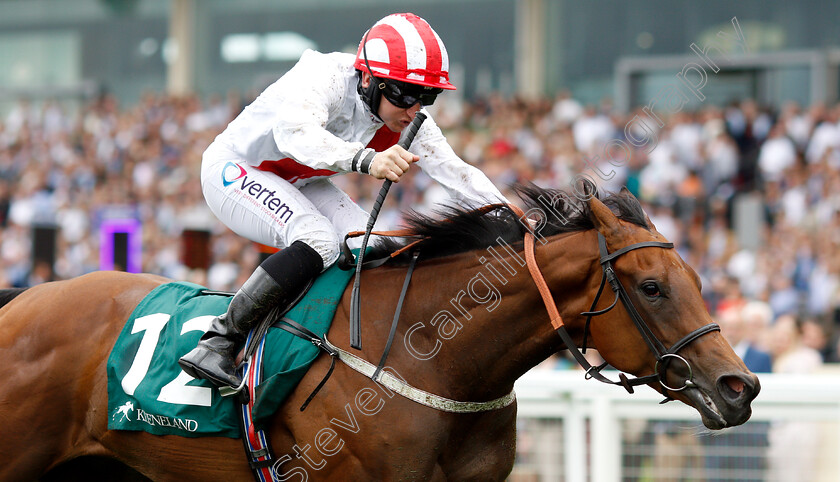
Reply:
x=473, y=322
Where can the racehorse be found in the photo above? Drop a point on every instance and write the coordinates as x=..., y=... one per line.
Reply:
x=473, y=321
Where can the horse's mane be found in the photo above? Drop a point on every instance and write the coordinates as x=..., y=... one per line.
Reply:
x=457, y=229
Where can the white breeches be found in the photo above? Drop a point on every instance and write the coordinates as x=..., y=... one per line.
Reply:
x=267, y=209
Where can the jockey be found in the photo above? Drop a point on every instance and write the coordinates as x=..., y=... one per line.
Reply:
x=267, y=175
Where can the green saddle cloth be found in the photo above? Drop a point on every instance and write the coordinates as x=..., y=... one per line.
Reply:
x=148, y=391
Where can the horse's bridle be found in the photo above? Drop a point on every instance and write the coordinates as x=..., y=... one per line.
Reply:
x=663, y=355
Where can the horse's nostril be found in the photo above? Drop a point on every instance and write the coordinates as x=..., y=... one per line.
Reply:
x=735, y=384
x=734, y=388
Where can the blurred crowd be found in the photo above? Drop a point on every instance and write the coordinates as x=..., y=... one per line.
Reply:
x=750, y=194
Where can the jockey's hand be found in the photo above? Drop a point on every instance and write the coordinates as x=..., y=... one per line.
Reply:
x=392, y=163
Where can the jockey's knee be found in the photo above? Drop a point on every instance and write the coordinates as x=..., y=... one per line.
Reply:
x=327, y=247
x=319, y=234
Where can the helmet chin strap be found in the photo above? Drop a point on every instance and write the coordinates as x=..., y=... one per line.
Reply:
x=370, y=94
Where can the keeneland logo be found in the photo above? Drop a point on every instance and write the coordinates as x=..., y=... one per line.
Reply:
x=124, y=409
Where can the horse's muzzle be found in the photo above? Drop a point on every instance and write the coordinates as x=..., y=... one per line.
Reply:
x=728, y=403
x=737, y=391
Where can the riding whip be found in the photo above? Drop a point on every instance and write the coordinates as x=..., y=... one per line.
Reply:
x=355, y=303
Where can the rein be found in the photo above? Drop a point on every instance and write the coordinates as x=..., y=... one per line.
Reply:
x=355, y=298
x=663, y=355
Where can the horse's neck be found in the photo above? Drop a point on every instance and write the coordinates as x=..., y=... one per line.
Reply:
x=506, y=330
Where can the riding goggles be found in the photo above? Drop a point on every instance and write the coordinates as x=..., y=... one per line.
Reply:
x=405, y=95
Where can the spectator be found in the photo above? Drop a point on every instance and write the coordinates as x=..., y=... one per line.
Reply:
x=825, y=140
x=814, y=337
x=756, y=317
x=566, y=110
x=734, y=328
x=777, y=154
x=592, y=129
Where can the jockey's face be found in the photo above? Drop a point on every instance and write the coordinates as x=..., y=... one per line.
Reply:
x=396, y=118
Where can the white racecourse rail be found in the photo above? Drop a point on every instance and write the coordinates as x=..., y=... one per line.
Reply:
x=577, y=430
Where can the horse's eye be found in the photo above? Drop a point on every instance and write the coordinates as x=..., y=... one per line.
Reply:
x=651, y=289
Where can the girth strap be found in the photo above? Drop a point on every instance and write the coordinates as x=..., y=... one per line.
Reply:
x=301, y=331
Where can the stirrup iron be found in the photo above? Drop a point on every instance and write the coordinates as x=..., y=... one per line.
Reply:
x=229, y=391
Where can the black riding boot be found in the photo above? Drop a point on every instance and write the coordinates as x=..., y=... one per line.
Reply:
x=278, y=280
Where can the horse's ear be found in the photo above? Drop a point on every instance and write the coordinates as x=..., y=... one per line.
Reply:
x=602, y=217
x=626, y=192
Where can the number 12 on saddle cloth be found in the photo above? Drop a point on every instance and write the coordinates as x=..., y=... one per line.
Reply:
x=147, y=390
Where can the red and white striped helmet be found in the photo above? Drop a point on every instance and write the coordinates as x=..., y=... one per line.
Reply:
x=403, y=47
